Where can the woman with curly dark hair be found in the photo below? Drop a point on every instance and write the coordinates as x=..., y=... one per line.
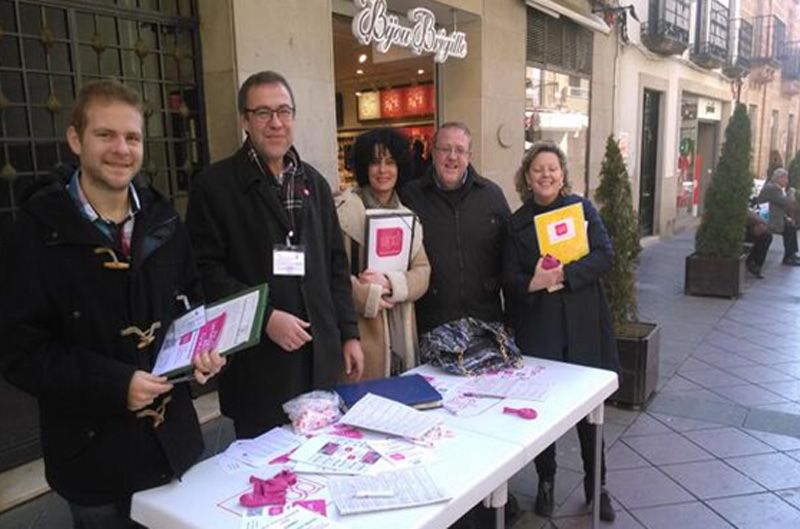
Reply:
x=383, y=301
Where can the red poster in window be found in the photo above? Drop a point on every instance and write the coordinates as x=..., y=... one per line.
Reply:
x=392, y=103
x=417, y=100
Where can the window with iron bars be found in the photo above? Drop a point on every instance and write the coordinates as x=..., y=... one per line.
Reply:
x=49, y=49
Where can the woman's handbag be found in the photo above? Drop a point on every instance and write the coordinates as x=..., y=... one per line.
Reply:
x=470, y=347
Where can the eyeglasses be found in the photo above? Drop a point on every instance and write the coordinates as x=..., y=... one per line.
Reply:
x=459, y=152
x=285, y=113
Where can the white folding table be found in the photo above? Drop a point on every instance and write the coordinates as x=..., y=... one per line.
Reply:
x=474, y=465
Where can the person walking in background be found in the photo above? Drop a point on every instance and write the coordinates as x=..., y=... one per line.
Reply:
x=384, y=301
x=252, y=217
x=571, y=324
x=783, y=207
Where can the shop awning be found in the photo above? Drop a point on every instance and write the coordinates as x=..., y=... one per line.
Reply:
x=578, y=11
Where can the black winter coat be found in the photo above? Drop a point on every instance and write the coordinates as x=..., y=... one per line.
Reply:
x=464, y=233
x=235, y=219
x=63, y=312
x=575, y=318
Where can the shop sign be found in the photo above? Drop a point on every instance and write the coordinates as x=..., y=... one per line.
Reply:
x=709, y=109
x=374, y=23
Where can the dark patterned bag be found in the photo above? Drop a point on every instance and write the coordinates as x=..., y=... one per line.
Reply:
x=470, y=347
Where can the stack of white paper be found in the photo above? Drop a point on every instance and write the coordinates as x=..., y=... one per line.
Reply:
x=400, y=489
x=380, y=414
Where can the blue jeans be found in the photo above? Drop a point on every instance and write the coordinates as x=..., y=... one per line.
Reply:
x=110, y=516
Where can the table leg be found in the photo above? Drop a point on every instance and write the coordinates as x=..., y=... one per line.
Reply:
x=498, y=501
x=596, y=418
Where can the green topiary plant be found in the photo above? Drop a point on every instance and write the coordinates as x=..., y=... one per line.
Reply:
x=721, y=231
x=794, y=171
x=616, y=210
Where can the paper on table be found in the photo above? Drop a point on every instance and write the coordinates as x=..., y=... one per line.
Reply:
x=337, y=455
x=411, y=487
x=293, y=518
x=507, y=387
x=388, y=416
x=260, y=451
x=401, y=453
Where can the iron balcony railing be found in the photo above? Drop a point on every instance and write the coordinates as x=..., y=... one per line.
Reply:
x=790, y=61
x=740, y=48
x=710, y=47
x=667, y=28
x=769, y=40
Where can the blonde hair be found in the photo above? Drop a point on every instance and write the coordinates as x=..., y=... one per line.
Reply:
x=521, y=177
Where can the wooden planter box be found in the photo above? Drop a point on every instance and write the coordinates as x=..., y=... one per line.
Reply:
x=638, y=358
x=714, y=276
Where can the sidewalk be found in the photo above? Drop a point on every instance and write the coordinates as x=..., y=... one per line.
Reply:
x=719, y=445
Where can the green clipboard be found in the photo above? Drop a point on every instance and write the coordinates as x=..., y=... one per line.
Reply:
x=183, y=368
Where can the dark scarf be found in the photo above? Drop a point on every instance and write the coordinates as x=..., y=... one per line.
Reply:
x=291, y=186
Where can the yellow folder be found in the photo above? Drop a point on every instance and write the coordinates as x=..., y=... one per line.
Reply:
x=562, y=233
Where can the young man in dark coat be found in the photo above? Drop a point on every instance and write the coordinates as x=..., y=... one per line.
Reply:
x=464, y=217
x=247, y=215
x=95, y=264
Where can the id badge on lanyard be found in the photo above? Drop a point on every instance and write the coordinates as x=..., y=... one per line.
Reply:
x=289, y=259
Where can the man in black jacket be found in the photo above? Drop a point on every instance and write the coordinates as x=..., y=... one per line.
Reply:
x=92, y=273
x=464, y=219
x=263, y=215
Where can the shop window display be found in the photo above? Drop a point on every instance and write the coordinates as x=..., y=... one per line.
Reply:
x=557, y=109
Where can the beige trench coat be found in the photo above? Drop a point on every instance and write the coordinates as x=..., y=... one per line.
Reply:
x=384, y=331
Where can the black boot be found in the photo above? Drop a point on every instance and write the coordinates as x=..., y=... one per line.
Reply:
x=607, y=513
x=545, y=501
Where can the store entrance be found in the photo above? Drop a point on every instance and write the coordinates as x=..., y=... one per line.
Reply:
x=649, y=161
x=706, y=157
x=373, y=89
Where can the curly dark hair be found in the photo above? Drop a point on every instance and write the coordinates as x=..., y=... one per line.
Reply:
x=364, y=153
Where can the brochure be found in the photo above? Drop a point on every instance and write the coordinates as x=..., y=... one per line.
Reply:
x=229, y=325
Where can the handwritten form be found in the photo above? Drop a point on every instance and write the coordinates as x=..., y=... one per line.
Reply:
x=383, y=415
x=399, y=489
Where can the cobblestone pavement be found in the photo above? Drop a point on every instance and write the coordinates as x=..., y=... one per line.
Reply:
x=719, y=444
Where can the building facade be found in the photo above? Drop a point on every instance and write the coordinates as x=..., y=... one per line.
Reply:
x=683, y=67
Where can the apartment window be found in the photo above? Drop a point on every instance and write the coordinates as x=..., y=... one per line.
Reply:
x=675, y=13
x=718, y=25
x=790, y=149
x=773, y=132
x=558, y=43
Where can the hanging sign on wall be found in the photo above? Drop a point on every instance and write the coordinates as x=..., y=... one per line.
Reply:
x=374, y=23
